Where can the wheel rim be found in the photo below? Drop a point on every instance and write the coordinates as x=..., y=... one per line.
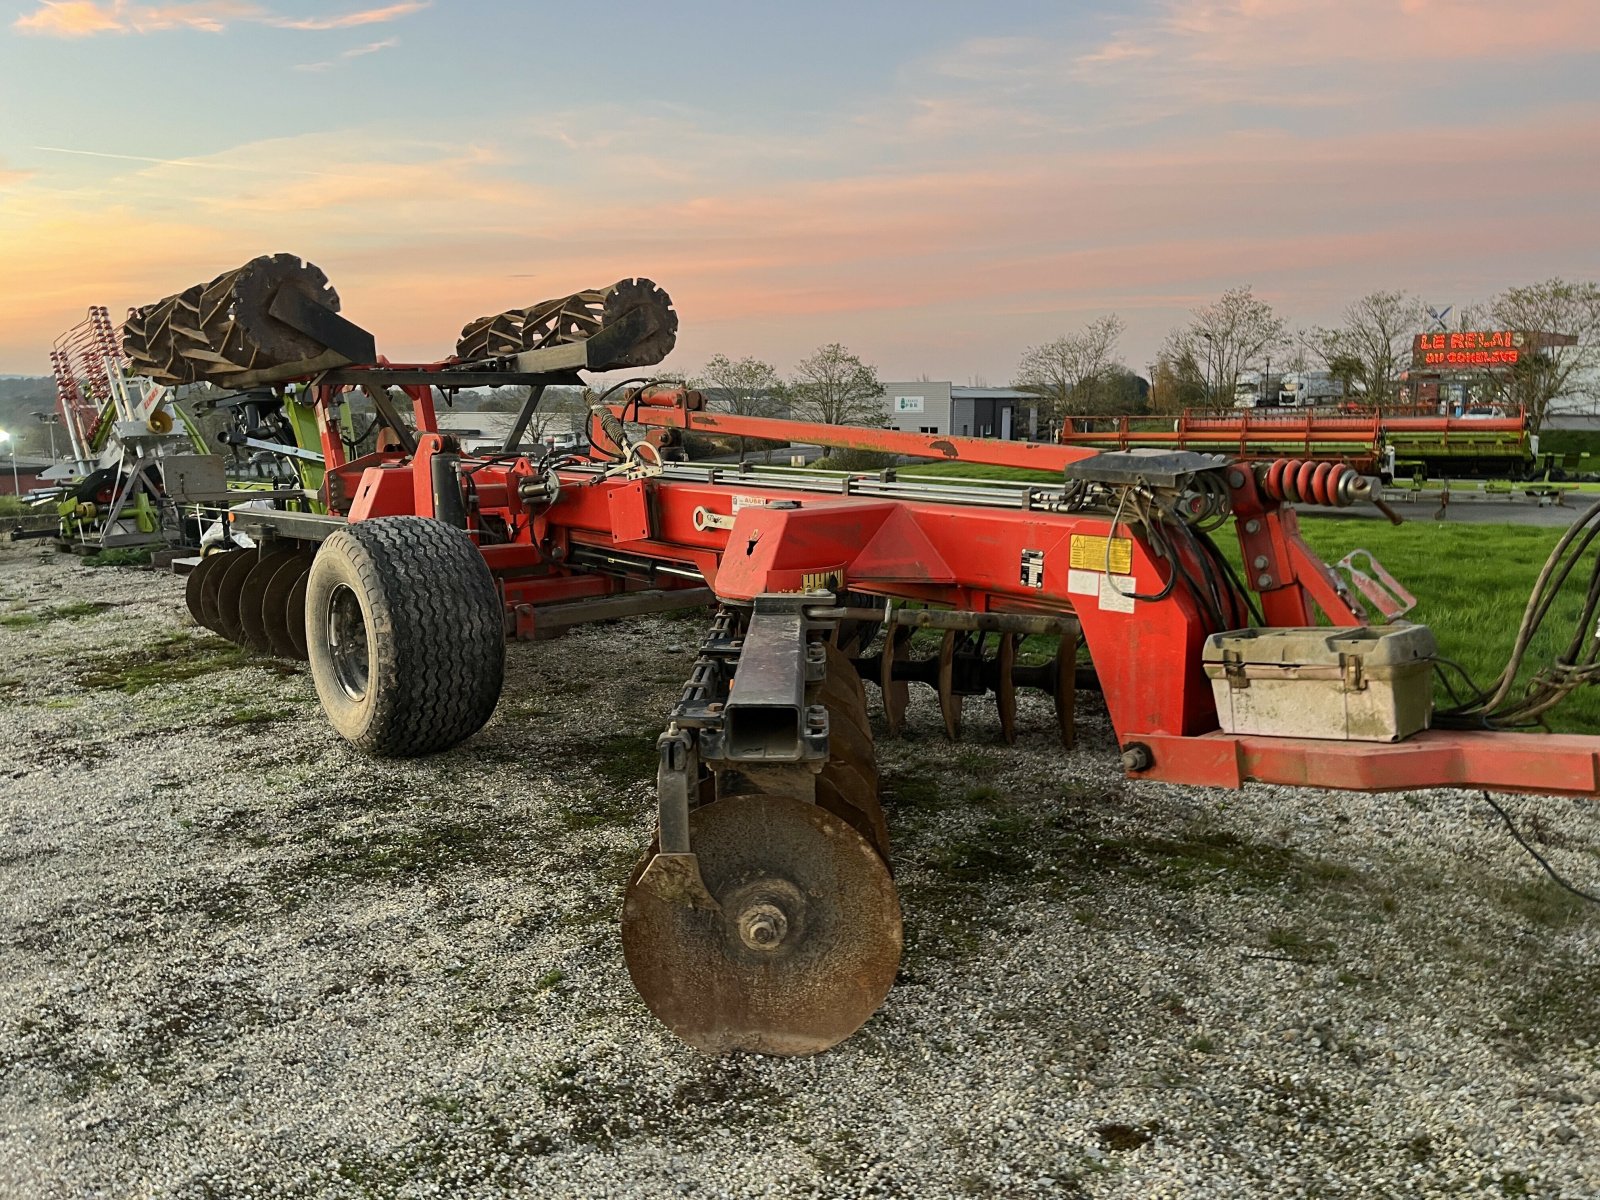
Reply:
x=347, y=642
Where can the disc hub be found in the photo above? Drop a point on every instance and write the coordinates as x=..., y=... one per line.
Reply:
x=765, y=916
x=763, y=926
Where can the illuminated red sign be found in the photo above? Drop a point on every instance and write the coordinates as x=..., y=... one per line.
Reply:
x=1468, y=348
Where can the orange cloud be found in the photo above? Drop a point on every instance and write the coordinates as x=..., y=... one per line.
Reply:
x=948, y=269
x=71, y=18
x=86, y=18
x=1246, y=35
x=371, y=16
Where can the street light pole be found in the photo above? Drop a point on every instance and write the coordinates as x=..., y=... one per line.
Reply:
x=16, y=486
x=50, y=420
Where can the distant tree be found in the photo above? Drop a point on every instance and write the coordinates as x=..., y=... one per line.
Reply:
x=1222, y=340
x=503, y=399
x=1373, y=345
x=835, y=387
x=1066, y=374
x=1176, y=385
x=1552, y=373
x=1350, y=373
x=1118, y=391
x=746, y=387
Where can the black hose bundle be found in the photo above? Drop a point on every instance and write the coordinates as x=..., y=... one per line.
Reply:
x=1495, y=707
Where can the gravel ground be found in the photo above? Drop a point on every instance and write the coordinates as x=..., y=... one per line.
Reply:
x=239, y=960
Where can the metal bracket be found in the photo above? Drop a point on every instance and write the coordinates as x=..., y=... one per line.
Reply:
x=674, y=873
x=1385, y=591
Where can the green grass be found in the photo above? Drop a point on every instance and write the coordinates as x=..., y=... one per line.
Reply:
x=171, y=659
x=63, y=612
x=1471, y=583
x=118, y=557
x=963, y=470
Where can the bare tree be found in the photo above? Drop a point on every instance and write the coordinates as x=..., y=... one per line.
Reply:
x=1222, y=340
x=747, y=387
x=1546, y=373
x=1064, y=374
x=1373, y=346
x=835, y=387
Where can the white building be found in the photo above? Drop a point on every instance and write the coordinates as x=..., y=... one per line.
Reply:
x=947, y=408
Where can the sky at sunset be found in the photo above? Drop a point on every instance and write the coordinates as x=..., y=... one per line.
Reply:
x=937, y=185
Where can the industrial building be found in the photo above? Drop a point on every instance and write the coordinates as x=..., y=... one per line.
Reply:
x=926, y=406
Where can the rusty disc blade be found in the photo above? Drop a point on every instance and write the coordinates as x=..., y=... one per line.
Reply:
x=896, y=692
x=275, y=614
x=842, y=705
x=846, y=793
x=195, y=583
x=244, y=561
x=846, y=740
x=1005, y=688
x=252, y=594
x=949, y=698
x=842, y=673
x=803, y=950
x=294, y=609
x=211, y=587
x=1066, y=690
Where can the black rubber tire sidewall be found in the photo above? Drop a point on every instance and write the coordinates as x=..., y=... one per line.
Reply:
x=435, y=629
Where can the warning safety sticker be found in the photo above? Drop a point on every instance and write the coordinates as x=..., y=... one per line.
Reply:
x=1090, y=553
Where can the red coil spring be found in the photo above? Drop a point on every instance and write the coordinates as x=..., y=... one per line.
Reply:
x=1304, y=481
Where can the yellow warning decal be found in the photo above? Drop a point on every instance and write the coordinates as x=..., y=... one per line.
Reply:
x=1089, y=554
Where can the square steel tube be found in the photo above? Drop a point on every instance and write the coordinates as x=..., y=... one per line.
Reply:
x=764, y=718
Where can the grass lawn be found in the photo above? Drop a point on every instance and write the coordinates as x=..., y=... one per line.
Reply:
x=980, y=471
x=1471, y=583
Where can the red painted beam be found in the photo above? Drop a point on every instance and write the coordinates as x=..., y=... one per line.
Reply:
x=1542, y=764
x=1036, y=456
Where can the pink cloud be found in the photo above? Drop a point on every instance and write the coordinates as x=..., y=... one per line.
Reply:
x=71, y=18
x=353, y=52
x=86, y=18
x=370, y=16
x=1250, y=35
x=951, y=269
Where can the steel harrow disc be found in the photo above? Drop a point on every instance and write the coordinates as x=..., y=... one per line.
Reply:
x=211, y=589
x=194, y=585
x=949, y=698
x=896, y=693
x=800, y=953
x=295, y=615
x=843, y=676
x=847, y=786
x=1005, y=692
x=845, y=792
x=252, y=597
x=279, y=617
x=228, y=593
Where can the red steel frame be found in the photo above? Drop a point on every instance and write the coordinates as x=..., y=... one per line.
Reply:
x=1148, y=661
x=1307, y=433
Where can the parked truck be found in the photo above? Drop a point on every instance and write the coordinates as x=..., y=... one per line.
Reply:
x=1311, y=389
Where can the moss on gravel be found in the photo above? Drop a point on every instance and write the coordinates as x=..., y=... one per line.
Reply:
x=171, y=659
